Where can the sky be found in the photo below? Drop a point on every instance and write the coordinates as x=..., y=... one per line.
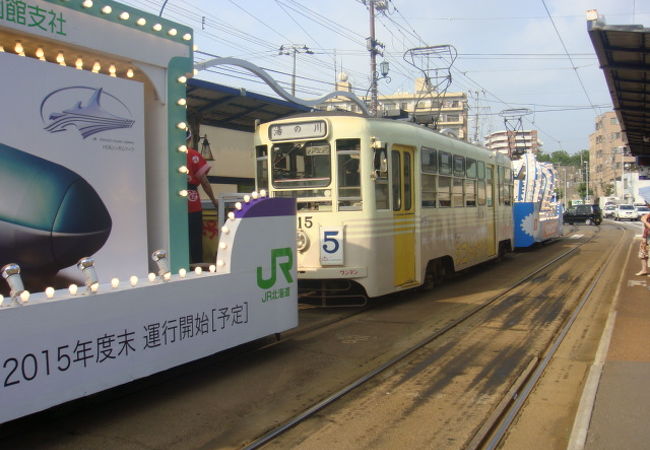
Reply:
x=510, y=54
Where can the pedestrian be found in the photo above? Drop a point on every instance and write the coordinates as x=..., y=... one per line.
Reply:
x=645, y=236
x=198, y=169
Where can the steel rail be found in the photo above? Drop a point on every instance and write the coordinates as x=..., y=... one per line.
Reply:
x=505, y=420
x=277, y=431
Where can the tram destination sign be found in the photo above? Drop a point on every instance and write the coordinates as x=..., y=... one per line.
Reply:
x=298, y=130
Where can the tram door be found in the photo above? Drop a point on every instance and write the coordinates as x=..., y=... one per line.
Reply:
x=403, y=215
x=491, y=210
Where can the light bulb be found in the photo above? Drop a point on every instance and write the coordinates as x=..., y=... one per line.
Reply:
x=129, y=73
x=79, y=63
x=141, y=21
x=96, y=67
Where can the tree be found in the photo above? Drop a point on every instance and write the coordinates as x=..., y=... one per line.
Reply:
x=561, y=158
x=582, y=191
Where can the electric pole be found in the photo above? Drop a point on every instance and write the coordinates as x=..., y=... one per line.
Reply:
x=293, y=49
x=372, y=45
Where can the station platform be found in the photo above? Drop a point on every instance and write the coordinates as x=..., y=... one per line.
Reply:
x=615, y=403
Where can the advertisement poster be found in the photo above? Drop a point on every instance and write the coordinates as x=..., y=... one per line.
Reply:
x=72, y=171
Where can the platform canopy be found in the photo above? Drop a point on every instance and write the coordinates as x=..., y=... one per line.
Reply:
x=624, y=55
x=237, y=109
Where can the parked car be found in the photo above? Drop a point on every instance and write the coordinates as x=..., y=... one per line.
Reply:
x=625, y=212
x=609, y=211
x=589, y=214
x=641, y=210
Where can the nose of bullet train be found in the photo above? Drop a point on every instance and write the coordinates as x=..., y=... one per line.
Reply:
x=50, y=216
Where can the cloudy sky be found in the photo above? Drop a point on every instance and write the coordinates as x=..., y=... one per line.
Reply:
x=533, y=54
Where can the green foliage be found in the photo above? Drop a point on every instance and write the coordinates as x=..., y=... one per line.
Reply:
x=562, y=158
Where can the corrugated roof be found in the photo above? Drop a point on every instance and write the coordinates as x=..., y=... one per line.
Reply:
x=624, y=55
x=236, y=109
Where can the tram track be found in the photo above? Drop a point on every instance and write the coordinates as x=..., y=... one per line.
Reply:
x=495, y=428
x=409, y=352
x=227, y=401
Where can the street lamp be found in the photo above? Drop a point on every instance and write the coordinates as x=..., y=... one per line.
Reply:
x=293, y=49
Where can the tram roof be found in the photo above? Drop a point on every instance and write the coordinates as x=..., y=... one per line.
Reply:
x=234, y=108
x=624, y=55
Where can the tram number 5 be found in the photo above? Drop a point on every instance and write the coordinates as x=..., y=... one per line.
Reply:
x=331, y=246
x=329, y=237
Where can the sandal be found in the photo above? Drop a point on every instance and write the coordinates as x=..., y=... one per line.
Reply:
x=638, y=274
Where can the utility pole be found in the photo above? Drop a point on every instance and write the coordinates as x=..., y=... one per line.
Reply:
x=372, y=45
x=476, y=117
x=293, y=49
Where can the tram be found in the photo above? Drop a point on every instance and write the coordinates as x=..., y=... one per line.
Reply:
x=384, y=205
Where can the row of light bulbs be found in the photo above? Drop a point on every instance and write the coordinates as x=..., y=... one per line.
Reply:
x=19, y=295
x=141, y=21
x=60, y=58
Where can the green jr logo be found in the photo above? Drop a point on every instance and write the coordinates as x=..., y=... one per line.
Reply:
x=285, y=267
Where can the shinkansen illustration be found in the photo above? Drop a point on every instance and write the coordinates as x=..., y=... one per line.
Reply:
x=384, y=205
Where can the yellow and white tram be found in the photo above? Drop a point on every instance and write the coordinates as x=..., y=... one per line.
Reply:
x=384, y=205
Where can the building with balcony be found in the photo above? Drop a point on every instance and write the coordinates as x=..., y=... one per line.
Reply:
x=518, y=142
x=609, y=159
x=445, y=112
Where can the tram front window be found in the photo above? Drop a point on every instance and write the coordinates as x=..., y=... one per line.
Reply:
x=301, y=164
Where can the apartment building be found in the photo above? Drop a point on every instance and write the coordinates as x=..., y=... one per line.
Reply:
x=446, y=112
x=519, y=142
x=608, y=157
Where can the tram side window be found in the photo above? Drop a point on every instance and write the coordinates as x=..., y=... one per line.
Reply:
x=396, y=171
x=509, y=184
x=262, y=167
x=457, y=193
x=459, y=166
x=471, y=168
x=429, y=190
x=444, y=191
x=481, y=170
x=380, y=166
x=470, y=192
x=408, y=177
x=505, y=186
x=349, y=180
x=429, y=159
x=489, y=193
x=445, y=163
x=481, y=193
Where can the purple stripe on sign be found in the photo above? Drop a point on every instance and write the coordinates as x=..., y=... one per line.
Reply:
x=267, y=207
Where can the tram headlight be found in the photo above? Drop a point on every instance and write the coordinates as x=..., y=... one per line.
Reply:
x=302, y=241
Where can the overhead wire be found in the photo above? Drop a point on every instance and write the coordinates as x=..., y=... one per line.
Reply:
x=557, y=32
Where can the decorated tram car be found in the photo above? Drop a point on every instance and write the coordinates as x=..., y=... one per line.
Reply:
x=383, y=205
